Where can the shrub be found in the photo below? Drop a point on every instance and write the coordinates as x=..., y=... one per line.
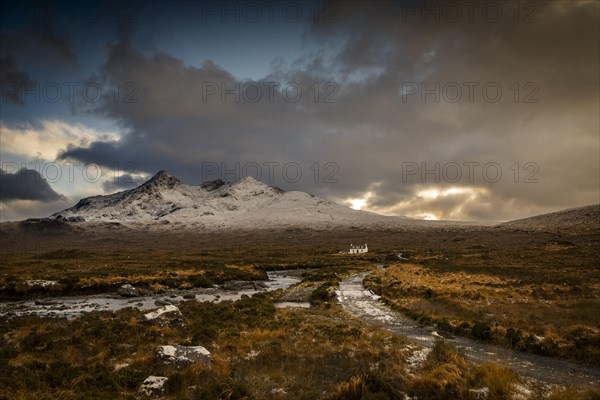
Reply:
x=229, y=390
x=323, y=293
x=514, y=336
x=200, y=281
x=482, y=330
x=366, y=387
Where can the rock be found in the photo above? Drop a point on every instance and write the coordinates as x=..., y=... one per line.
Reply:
x=153, y=386
x=278, y=391
x=189, y=296
x=160, y=302
x=168, y=315
x=252, y=355
x=182, y=356
x=120, y=366
x=260, y=285
x=128, y=291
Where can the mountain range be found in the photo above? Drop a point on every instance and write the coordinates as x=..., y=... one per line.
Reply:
x=246, y=204
x=164, y=202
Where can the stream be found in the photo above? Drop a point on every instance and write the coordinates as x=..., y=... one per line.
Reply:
x=365, y=305
x=74, y=306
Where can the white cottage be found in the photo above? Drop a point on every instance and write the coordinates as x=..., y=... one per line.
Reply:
x=358, y=248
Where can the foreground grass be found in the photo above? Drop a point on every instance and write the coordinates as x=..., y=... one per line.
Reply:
x=258, y=351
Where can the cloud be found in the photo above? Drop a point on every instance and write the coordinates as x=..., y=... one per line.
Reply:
x=17, y=210
x=48, y=138
x=544, y=123
x=26, y=184
x=28, y=47
x=13, y=79
x=42, y=41
x=122, y=182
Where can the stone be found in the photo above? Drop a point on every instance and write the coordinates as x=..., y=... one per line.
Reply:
x=128, y=291
x=182, y=356
x=153, y=386
x=168, y=315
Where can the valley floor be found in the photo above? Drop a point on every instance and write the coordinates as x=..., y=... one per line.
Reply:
x=460, y=281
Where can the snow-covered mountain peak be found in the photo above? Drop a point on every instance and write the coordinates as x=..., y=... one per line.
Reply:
x=249, y=180
x=250, y=187
x=248, y=204
x=162, y=179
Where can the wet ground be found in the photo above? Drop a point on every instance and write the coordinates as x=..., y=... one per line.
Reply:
x=365, y=305
x=74, y=306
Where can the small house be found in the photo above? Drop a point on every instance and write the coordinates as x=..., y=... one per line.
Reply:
x=358, y=248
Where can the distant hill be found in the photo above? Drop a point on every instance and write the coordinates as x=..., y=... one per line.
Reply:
x=585, y=218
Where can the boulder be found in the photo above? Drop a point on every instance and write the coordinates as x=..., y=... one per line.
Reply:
x=182, y=356
x=153, y=386
x=168, y=315
x=128, y=291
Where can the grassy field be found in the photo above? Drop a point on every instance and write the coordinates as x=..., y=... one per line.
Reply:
x=258, y=352
x=535, y=291
x=542, y=299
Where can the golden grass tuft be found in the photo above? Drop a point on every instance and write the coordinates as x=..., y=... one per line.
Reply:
x=353, y=389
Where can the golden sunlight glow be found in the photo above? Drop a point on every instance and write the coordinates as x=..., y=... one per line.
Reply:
x=358, y=203
x=435, y=193
x=429, y=194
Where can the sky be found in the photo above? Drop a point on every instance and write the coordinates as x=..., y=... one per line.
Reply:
x=456, y=110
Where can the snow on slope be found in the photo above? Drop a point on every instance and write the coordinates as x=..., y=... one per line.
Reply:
x=582, y=218
x=247, y=204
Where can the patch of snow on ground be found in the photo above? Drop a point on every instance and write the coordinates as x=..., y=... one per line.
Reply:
x=520, y=392
x=417, y=358
x=480, y=393
x=40, y=283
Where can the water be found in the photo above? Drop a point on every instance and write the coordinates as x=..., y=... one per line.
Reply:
x=292, y=304
x=359, y=301
x=74, y=306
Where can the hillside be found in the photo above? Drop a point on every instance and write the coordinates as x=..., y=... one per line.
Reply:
x=585, y=218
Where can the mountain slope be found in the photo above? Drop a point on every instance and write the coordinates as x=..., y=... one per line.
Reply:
x=165, y=200
x=580, y=218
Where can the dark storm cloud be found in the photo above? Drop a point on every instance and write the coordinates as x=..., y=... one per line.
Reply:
x=122, y=182
x=44, y=44
x=546, y=67
x=26, y=184
x=40, y=46
x=11, y=75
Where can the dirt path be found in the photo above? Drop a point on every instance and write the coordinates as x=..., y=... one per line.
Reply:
x=362, y=303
